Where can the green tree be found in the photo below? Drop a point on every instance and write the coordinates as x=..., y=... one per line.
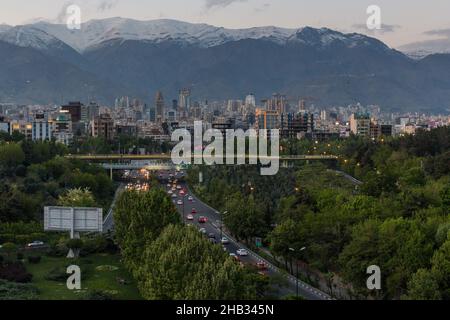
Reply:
x=11, y=155
x=139, y=219
x=77, y=198
x=423, y=286
x=244, y=218
x=181, y=264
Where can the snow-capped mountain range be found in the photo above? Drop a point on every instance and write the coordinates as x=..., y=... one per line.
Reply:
x=42, y=62
x=96, y=32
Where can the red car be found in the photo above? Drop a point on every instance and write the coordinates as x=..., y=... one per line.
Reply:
x=193, y=211
x=261, y=266
x=202, y=220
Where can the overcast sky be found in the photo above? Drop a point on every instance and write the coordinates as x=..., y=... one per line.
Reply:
x=404, y=21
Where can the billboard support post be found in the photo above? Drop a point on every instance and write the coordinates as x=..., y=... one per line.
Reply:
x=74, y=220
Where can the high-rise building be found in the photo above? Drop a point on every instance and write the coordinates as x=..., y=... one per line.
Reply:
x=250, y=100
x=302, y=105
x=277, y=103
x=5, y=125
x=93, y=110
x=160, y=108
x=293, y=124
x=360, y=124
x=171, y=115
x=76, y=110
x=63, y=128
x=234, y=106
x=267, y=119
x=184, y=102
x=152, y=114
x=196, y=111
x=41, y=127
x=103, y=126
x=22, y=127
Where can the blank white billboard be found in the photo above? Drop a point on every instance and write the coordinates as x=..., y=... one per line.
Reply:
x=73, y=219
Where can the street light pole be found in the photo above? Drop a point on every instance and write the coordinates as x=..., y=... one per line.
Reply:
x=296, y=262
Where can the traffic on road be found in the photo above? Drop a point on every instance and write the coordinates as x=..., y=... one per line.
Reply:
x=208, y=221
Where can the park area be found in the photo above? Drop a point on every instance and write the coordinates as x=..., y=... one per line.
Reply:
x=103, y=277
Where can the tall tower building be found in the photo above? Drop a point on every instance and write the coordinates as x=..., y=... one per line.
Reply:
x=277, y=103
x=360, y=124
x=160, y=109
x=184, y=102
x=250, y=100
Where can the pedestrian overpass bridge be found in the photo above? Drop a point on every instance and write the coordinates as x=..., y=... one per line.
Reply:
x=167, y=157
x=162, y=162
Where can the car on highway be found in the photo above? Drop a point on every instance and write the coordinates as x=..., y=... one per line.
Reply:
x=190, y=217
x=202, y=219
x=35, y=244
x=261, y=266
x=211, y=236
x=179, y=202
x=181, y=193
x=190, y=198
x=202, y=230
x=174, y=196
x=242, y=252
x=170, y=192
x=168, y=185
x=225, y=240
x=193, y=210
x=178, y=187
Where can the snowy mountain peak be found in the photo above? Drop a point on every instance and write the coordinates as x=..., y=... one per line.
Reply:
x=96, y=32
x=27, y=36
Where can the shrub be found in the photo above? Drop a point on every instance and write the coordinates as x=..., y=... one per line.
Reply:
x=17, y=291
x=8, y=249
x=23, y=239
x=94, y=245
x=15, y=271
x=34, y=259
x=19, y=256
x=74, y=243
x=7, y=237
x=56, y=274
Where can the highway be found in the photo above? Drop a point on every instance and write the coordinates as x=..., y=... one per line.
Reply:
x=213, y=226
x=108, y=222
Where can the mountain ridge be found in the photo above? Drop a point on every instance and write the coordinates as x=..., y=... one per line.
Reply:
x=118, y=58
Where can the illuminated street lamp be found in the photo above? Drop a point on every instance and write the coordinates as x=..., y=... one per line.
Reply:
x=296, y=276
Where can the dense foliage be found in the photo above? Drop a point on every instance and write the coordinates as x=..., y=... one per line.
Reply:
x=171, y=261
x=34, y=174
x=397, y=219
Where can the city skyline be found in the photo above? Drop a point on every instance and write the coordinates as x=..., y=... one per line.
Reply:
x=402, y=24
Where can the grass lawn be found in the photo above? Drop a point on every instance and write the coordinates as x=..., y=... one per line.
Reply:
x=98, y=272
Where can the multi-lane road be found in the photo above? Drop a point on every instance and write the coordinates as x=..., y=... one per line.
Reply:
x=212, y=226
